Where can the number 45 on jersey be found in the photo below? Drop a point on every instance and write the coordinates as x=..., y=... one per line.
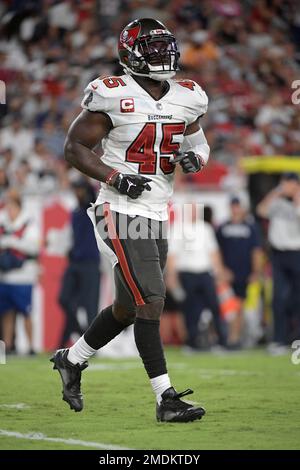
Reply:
x=142, y=151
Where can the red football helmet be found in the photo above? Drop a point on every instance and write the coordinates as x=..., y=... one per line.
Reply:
x=148, y=49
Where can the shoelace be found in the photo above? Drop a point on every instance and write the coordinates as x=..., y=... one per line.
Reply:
x=188, y=391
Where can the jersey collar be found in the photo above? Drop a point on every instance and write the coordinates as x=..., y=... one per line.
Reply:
x=166, y=93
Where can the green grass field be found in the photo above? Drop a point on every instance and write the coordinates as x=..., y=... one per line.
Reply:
x=252, y=402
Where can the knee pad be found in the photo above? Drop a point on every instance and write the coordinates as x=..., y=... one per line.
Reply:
x=124, y=314
x=156, y=292
x=151, y=310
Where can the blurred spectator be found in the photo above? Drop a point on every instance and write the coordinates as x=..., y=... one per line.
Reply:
x=19, y=249
x=229, y=304
x=3, y=184
x=52, y=137
x=17, y=138
x=199, y=51
x=24, y=178
x=197, y=258
x=241, y=251
x=282, y=207
x=81, y=280
x=240, y=247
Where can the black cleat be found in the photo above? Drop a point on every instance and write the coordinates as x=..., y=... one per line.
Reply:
x=173, y=410
x=70, y=376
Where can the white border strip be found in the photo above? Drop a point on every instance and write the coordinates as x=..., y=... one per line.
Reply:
x=16, y=406
x=74, y=442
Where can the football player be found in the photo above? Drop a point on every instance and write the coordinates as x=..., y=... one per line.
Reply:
x=147, y=122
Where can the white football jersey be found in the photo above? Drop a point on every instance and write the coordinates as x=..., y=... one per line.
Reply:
x=146, y=133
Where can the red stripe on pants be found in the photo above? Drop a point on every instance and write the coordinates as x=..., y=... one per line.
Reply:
x=121, y=255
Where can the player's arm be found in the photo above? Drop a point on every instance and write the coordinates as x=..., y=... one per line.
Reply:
x=86, y=131
x=194, y=152
x=263, y=208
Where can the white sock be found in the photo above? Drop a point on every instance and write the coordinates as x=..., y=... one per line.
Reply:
x=160, y=385
x=80, y=352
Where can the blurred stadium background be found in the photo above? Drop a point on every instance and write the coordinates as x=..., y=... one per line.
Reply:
x=245, y=54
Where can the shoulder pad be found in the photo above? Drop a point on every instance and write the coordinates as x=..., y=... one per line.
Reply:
x=196, y=96
x=99, y=93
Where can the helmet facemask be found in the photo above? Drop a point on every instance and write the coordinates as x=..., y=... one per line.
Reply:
x=154, y=56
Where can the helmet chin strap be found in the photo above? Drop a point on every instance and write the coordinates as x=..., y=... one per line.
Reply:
x=158, y=76
x=161, y=76
x=157, y=72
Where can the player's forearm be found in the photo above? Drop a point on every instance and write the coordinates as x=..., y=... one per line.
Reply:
x=86, y=161
x=196, y=143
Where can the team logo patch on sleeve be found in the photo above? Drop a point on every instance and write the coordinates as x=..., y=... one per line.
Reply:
x=127, y=105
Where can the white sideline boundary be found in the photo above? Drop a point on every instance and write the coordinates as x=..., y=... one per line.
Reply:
x=15, y=406
x=34, y=436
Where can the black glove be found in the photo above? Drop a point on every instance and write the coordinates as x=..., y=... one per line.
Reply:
x=131, y=185
x=189, y=161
